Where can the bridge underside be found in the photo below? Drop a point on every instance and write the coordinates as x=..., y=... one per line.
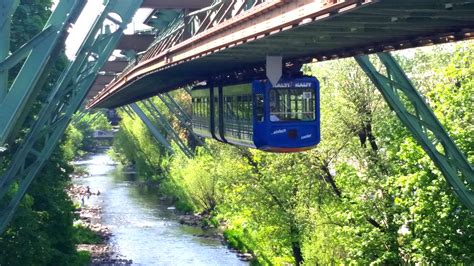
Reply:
x=363, y=28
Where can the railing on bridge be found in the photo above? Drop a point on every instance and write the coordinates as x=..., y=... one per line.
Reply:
x=337, y=28
x=190, y=24
x=101, y=134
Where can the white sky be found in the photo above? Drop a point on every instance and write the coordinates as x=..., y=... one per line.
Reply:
x=91, y=11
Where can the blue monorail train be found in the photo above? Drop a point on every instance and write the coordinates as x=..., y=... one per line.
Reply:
x=283, y=118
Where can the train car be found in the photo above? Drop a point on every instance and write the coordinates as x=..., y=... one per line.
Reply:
x=281, y=118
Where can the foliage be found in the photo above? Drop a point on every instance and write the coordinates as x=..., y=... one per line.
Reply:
x=83, y=258
x=84, y=235
x=134, y=145
x=368, y=194
x=81, y=132
x=41, y=231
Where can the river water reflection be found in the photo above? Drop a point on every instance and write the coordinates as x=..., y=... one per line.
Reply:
x=143, y=229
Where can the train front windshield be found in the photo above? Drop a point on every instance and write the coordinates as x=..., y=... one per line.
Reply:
x=292, y=104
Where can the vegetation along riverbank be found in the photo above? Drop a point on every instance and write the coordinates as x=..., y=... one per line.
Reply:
x=367, y=194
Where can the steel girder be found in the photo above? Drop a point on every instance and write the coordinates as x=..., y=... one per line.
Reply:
x=16, y=57
x=179, y=113
x=65, y=99
x=161, y=119
x=175, y=107
x=423, y=125
x=7, y=9
x=154, y=131
x=15, y=102
x=127, y=110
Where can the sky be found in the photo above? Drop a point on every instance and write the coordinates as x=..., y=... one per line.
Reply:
x=91, y=11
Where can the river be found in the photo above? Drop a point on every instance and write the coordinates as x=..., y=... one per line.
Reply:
x=143, y=230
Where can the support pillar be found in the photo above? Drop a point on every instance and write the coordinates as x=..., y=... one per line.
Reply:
x=64, y=100
x=127, y=111
x=179, y=112
x=161, y=119
x=7, y=8
x=18, y=98
x=182, y=112
x=422, y=124
x=154, y=131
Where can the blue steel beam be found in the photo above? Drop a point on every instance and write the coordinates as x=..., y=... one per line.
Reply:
x=7, y=9
x=182, y=115
x=153, y=130
x=127, y=111
x=184, y=118
x=15, y=58
x=78, y=118
x=24, y=86
x=65, y=99
x=181, y=110
x=161, y=119
x=422, y=123
x=187, y=89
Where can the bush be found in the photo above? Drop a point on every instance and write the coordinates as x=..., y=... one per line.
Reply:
x=83, y=258
x=84, y=235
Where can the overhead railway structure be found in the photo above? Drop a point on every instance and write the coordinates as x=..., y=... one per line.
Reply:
x=215, y=41
x=229, y=41
x=233, y=37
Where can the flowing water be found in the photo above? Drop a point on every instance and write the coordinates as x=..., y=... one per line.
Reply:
x=144, y=230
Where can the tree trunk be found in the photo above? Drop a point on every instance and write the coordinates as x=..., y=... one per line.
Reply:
x=297, y=254
x=295, y=243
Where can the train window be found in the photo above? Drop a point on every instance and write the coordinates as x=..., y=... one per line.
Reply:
x=259, y=108
x=292, y=105
x=228, y=107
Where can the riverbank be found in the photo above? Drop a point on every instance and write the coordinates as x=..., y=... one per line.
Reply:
x=90, y=216
x=143, y=227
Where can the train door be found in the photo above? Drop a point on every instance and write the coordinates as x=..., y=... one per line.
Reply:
x=219, y=113
x=259, y=114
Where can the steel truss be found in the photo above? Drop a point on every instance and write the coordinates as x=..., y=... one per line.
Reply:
x=6, y=14
x=149, y=124
x=40, y=51
x=420, y=120
x=163, y=121
x=63, y=101
x=181, y=115
x=158, y=118
x=186, y=25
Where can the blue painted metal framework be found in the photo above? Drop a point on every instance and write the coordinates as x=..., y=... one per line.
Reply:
x=15, y=101
x=181, y=115
x=6, y=12
x=163, y=121
x=153, y=129
x=415, y=114
x=64, y=100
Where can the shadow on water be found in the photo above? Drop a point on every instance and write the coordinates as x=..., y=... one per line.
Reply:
x=144, y=229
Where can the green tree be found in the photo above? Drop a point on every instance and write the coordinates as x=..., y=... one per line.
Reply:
x=368, y=194
x=41, y=231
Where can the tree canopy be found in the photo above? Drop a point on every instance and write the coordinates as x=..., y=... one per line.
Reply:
x=368, y=194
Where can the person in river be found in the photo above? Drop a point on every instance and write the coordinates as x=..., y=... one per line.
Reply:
x=88, y=190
